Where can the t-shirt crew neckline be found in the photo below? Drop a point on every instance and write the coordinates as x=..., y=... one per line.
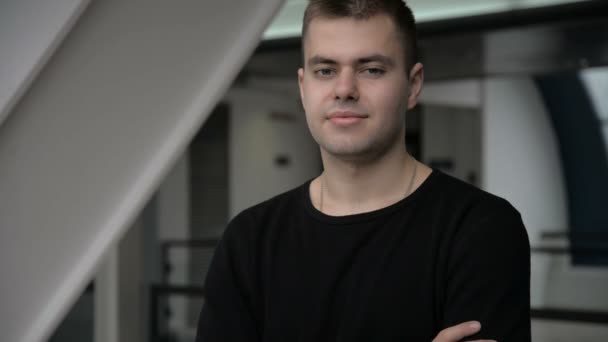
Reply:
x=357, y=218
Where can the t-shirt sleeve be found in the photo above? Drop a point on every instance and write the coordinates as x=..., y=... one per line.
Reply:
x=226, y=314
x=489, y=278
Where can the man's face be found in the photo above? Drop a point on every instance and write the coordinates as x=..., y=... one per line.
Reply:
x=354, y=85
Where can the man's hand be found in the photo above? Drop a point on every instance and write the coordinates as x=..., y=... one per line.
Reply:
x=458, y=332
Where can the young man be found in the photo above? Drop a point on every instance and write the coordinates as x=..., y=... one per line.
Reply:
x=379, y=247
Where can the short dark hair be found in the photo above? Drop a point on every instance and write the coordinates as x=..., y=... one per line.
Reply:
x=397, y=10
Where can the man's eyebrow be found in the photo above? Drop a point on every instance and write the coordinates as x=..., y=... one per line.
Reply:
x=376, y=58
x=317, y=59
x=320, y=60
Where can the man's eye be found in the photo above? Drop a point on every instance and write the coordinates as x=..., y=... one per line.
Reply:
x=324, y=72
x=374, y=71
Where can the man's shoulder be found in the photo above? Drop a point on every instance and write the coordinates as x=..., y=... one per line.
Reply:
x=478, y=219
x=288, y=200
x=481, y=213
x=458, y=193
x=268, y=211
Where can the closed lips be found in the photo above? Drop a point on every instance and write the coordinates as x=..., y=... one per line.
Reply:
x=346, y=115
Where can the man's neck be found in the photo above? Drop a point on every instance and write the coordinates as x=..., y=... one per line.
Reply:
x=349, y=187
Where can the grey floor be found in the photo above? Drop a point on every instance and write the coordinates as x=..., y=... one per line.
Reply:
x=559, y=331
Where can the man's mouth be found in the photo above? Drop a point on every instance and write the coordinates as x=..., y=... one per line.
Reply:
x=345, y=118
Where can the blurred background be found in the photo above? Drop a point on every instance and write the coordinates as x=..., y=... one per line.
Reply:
x=116, y=180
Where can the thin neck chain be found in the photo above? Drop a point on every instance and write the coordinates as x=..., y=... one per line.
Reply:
x=407, y=192
x=411, y=185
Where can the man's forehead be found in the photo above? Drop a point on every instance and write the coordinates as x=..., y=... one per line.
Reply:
x=379, y=25
x=352, y=39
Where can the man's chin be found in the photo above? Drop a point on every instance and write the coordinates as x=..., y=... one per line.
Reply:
x=349, y=152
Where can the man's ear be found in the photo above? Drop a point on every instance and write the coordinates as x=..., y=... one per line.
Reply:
x=416, y=79
x=300, y=81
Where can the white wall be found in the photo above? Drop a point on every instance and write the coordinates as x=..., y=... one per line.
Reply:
x=520, y=162
x=173, y=214
x=106, y=316
x=451, y=124
x=596, y=84
x=520, y=159
x=455, y=93
x=453, y=133
x=256, y=140
x=173, y=202
x=576, y=287
x=120, y=284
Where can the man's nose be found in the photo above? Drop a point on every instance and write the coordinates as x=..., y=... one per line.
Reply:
x=346, y=86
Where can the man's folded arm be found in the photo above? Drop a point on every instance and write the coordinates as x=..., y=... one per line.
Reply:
x=489, y=278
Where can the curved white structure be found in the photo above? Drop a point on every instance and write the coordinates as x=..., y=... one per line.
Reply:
x=30, y=32
x=94, y=133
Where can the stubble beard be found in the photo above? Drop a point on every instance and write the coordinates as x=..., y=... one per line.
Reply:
x=361, y=149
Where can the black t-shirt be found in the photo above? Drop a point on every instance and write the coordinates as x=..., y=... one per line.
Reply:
x=446, y=254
